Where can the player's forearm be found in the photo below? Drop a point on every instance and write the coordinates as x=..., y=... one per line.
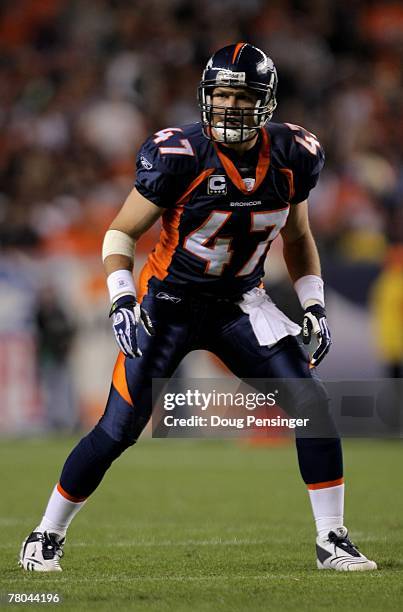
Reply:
x=117, y=262
x=118, y=255
x=301, y=257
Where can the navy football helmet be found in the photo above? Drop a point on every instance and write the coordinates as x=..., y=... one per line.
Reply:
x=241, y=66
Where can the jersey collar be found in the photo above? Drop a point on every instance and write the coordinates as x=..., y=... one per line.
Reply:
x=261, y=168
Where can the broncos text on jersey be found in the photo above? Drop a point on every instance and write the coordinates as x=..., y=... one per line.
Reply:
x=222, y=210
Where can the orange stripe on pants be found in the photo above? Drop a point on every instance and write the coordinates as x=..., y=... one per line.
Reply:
x=66, y=495
x=119, y=379
x=325, y=485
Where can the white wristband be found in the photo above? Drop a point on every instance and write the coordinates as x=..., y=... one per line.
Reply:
x=309, y=288
x=120, y=283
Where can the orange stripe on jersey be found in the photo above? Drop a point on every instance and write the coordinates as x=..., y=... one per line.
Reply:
x=142, y=285
x=66, y=495
x=261, y=169
x=325, y=485
x=237, y=51
x=159, y=260
x=144, y=277
x=119, y=379
x=195, y=183
x=290, y=178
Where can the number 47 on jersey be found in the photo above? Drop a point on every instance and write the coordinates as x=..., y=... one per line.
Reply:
x=219, y=254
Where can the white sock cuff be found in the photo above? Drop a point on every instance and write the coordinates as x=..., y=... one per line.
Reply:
x=59, y=513
x=328, y=508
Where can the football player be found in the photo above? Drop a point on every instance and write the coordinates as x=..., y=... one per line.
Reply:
x=224, y=187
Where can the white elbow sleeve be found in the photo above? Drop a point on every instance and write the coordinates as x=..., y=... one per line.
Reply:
x=117, y=243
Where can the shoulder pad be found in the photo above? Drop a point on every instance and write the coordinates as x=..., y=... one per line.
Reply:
x=166, y=163
x=295, y=148
x=291, y=140
x=171, y=149
x=305, y=142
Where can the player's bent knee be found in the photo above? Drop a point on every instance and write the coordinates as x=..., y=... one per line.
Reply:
x=315, y=399
x=88, y=462
x=104, y=446
x=123, y=422
x=310, y=401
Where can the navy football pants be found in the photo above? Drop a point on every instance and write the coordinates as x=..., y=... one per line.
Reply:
x=222, y=328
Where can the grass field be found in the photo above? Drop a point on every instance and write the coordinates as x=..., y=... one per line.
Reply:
x=204, y=525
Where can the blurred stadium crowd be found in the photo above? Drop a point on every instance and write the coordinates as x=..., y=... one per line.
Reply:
x=83, y=83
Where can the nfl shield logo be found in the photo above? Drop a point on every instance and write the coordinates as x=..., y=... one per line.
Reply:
x=249, y=183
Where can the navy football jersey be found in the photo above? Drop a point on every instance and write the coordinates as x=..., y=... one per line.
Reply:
x=222, y=210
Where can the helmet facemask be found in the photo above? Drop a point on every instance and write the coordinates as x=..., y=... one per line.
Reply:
x=232, y=124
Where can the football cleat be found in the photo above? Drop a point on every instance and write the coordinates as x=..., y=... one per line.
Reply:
x=337, y=552
x=41, y=552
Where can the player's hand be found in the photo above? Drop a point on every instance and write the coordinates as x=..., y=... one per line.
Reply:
x=315, y=323
x=126, y=315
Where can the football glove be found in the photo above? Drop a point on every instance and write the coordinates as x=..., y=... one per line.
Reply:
x=126, y=315
x=315, y=323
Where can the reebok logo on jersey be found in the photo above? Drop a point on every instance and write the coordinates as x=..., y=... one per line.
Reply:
x=145, y=163
x=161, y=295
x=217, y=185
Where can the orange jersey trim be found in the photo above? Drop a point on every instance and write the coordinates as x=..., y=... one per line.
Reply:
x=237, y=51
x=261, y=169
x=66, y=495
x=195, y=183
x=325, y=485
x=290, y=178
x=119, y=379
x=159, y=260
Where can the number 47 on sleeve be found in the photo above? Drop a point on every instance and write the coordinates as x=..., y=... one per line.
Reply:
x=185, y=147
